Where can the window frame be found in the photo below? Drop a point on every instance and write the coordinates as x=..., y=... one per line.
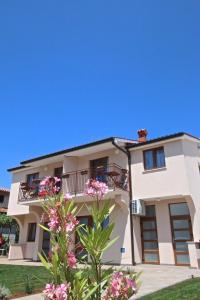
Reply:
x=31, y=174
x=155, y=163
x=29, y=237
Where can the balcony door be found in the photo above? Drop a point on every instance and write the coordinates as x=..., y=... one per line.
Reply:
x=99, y=168
x=150, y=251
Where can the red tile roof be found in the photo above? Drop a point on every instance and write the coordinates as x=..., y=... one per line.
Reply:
x=4, y=190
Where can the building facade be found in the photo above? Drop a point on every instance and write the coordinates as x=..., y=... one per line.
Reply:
x=160, y=176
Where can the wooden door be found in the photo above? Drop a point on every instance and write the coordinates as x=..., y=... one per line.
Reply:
x=181, y=228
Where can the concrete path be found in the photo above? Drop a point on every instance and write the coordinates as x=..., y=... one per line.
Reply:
x=156, y=277
x=22, y=262
x=153, y=277
x=32, y=297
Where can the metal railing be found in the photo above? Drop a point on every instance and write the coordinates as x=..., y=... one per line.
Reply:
x=113, y=175
x=75, y=182
x=28, y=192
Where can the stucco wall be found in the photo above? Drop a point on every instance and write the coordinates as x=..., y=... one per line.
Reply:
x=192, y=163
x=14, y=208
x=168, y=181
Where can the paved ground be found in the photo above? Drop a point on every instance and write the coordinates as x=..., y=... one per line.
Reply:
x=156, y=277
x=153, y=277
x=4, y=261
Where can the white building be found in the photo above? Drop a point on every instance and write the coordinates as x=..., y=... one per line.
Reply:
x=161, y=175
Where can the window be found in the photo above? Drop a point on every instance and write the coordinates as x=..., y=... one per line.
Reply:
x=1, y=198
x=154, y=158
x=31, y=177
x=58, y=172
x=31, y=232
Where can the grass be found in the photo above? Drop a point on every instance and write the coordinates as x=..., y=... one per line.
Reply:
x=14, y=277
x=189, y=289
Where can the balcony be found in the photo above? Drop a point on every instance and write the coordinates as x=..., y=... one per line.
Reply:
x=33, y=191
x=113, y=175
x=74, y=182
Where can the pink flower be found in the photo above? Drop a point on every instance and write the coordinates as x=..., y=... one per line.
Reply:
x=71, y=223
x=48, y=186
x=61, y=291
x=95, y=188
x=56, y=292
x=120, y=286
x=67, y=197
x=49, y=291
x=71, y=259
x=54, y=223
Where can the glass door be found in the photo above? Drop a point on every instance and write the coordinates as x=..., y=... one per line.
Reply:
x=181, y=232
x=150, y=251
x=98, y=169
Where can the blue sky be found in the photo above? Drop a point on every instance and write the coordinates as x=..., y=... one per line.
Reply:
x=76, y=71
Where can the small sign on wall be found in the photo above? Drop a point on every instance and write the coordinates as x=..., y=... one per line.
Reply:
x=122, y=250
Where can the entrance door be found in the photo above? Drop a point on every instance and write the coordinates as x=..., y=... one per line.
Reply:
x=80, y=251
x=181, y=232
x=46, y=241
x=149, y=237
x=99, y=168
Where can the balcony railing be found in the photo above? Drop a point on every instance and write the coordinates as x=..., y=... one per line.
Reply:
x=74, y=182
x=113, y=175
x=28, y=192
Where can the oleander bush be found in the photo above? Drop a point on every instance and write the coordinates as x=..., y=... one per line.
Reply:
x=70, y=282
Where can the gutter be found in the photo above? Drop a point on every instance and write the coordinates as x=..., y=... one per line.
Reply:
x=128, y=154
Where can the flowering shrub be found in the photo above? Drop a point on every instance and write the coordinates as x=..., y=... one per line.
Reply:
x=91, y=282
x=95, y=188
x=120, y=287
x=49, y=186
x=53, y=291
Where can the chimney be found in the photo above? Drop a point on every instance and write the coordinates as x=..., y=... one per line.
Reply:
x=142, y=135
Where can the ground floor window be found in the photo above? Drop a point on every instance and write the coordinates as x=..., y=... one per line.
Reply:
x=31, y=232
x=150, y=252
x=181, y=232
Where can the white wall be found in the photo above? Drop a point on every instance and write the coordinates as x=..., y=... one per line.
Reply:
x=14, y=208
x=168, y=181
x=192, y=163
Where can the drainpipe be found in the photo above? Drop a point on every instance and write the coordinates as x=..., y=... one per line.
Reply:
x=128, y=154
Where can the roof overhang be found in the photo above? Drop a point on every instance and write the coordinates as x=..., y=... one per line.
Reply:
x=83, y=150
x=160, y=141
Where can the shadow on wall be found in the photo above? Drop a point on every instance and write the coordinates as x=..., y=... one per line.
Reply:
x=119, y=217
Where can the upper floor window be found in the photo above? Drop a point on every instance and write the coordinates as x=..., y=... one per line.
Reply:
x=31, y=178
x=154, y=158
x=58, y=172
